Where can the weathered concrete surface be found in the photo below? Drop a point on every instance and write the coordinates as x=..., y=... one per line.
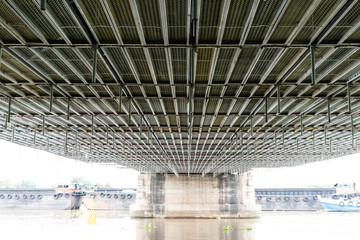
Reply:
x=194, y=196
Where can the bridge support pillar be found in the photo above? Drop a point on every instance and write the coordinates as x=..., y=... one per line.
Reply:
x=194, y=196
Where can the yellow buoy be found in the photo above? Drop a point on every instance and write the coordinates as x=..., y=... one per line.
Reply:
x=91, y=214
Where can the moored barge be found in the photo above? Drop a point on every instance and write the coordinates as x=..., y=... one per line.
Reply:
x=61, y=198
x=110, y=198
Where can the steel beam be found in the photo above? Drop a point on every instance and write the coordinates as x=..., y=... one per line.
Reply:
x=192, y=40
x=94, y=63
x=328, y=111
x=349, y=97
x=1, y=53
x=312, y=58
x=278, y=100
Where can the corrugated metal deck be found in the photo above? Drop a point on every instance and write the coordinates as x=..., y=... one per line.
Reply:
x=201, y=86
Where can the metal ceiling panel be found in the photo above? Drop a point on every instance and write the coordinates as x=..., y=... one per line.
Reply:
x=266, y=59
x=96, y=17
x=28, y=9
x=349, y=20
x=125, y=23
x=223, y=64
x=150, y=18
x=316, y=21
x=200, y=91
x=334, y=74
x=247, y=56
x=236, y=21
x=177, y=15
x=354, y=37
x=7, y=37
x=15, y=22
x=179, y=64
x=66, y=21
x=290, y=20
x=159, y=62
x=203, y=64
x=265, y=14
x=209, y=20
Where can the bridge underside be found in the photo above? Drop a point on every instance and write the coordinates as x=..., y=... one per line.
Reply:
x=173, y=86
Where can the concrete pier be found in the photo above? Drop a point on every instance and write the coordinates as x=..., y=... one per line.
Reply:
x=194, y=196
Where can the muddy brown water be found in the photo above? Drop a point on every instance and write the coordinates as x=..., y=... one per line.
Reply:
x=117, y=225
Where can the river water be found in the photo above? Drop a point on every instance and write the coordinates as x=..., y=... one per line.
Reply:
x=118, y=225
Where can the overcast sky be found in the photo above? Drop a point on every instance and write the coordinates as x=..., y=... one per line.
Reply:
x=46, y=169
x=22, y=163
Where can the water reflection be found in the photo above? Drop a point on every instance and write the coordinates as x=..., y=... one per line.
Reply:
x=118, y=225
x=197, y=229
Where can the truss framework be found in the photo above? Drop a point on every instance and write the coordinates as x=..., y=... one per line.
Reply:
x=195, y=86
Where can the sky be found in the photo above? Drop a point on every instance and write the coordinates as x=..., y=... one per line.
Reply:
x=319, y=174
x=19, y=163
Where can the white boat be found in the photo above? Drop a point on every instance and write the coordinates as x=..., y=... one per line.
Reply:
x=341, y=203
